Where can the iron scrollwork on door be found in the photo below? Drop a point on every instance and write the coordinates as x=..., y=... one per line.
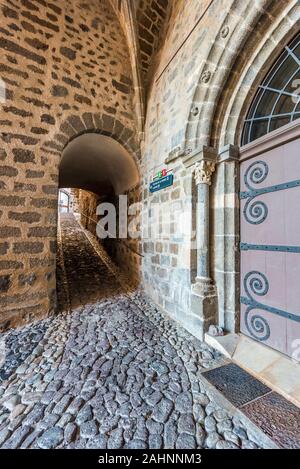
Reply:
x=256, y=283
x=255, y=211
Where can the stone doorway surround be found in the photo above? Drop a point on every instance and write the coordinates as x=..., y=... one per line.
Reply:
x=202, y=165
x=217, y=126
x=275, y=369
x=219, y=304
x=215, y=290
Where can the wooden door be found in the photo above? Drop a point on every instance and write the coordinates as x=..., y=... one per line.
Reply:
x=270, y=242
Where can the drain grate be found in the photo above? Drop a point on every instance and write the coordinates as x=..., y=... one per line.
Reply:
x=238, y=386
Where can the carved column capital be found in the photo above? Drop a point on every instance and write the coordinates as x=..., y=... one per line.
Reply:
x=203, y=171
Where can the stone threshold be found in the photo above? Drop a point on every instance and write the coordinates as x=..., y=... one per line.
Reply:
x=280, y=373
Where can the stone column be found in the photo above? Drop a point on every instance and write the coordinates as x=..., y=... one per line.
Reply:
x=204, y=297
x=203, y=172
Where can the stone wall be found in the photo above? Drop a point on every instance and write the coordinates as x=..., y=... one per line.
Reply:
x=208, y=48
x=151, y=20
x=74, y=193
x=87, y=203
x=169, y=266
x=124, y=251
x=66, y=71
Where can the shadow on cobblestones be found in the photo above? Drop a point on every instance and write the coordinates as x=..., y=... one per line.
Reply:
x=18, y=345
x=115, y=373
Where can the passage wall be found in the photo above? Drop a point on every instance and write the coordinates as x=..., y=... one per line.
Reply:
x=66, y=70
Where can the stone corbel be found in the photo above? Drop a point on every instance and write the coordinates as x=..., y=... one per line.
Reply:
x=229, y=153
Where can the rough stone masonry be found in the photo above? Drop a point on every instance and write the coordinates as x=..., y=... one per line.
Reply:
x=66, y=70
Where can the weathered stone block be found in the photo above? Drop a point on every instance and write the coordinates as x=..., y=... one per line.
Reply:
x=9, y=232
x=23, y=156
x=5, y=282
x=28, y=247
x=11, y=200
x=8, y=171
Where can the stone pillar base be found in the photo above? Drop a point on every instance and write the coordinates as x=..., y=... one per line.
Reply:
x=204, y=302
x=203, y=286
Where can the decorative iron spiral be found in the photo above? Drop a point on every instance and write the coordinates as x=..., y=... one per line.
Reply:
x=256, y=173
x=257, y=326
x=255, y=211
x=256, y=283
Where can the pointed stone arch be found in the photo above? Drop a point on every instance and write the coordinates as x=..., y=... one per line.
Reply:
x=274, y=30
x=233, y=107
x=227, y=76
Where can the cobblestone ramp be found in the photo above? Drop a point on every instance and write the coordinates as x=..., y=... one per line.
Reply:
x=88, y=278
x=111, y=373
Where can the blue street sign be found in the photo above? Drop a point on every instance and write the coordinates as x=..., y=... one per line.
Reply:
x=161, y=183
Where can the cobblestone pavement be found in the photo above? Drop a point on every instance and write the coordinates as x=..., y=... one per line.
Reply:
x=109, y=372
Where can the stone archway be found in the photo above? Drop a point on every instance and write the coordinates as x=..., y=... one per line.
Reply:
x=101, y=169
x=231, y=112
x=69, y=75
x=227, y=127
x=100, y=123
x=98, y=163
x=234, y=65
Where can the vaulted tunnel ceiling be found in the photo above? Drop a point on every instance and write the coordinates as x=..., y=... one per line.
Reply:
x=98, y=164
x=151, y=17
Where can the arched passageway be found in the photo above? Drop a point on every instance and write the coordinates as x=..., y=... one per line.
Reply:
x=98, y=164
x=65, y=69
x=98, y=170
